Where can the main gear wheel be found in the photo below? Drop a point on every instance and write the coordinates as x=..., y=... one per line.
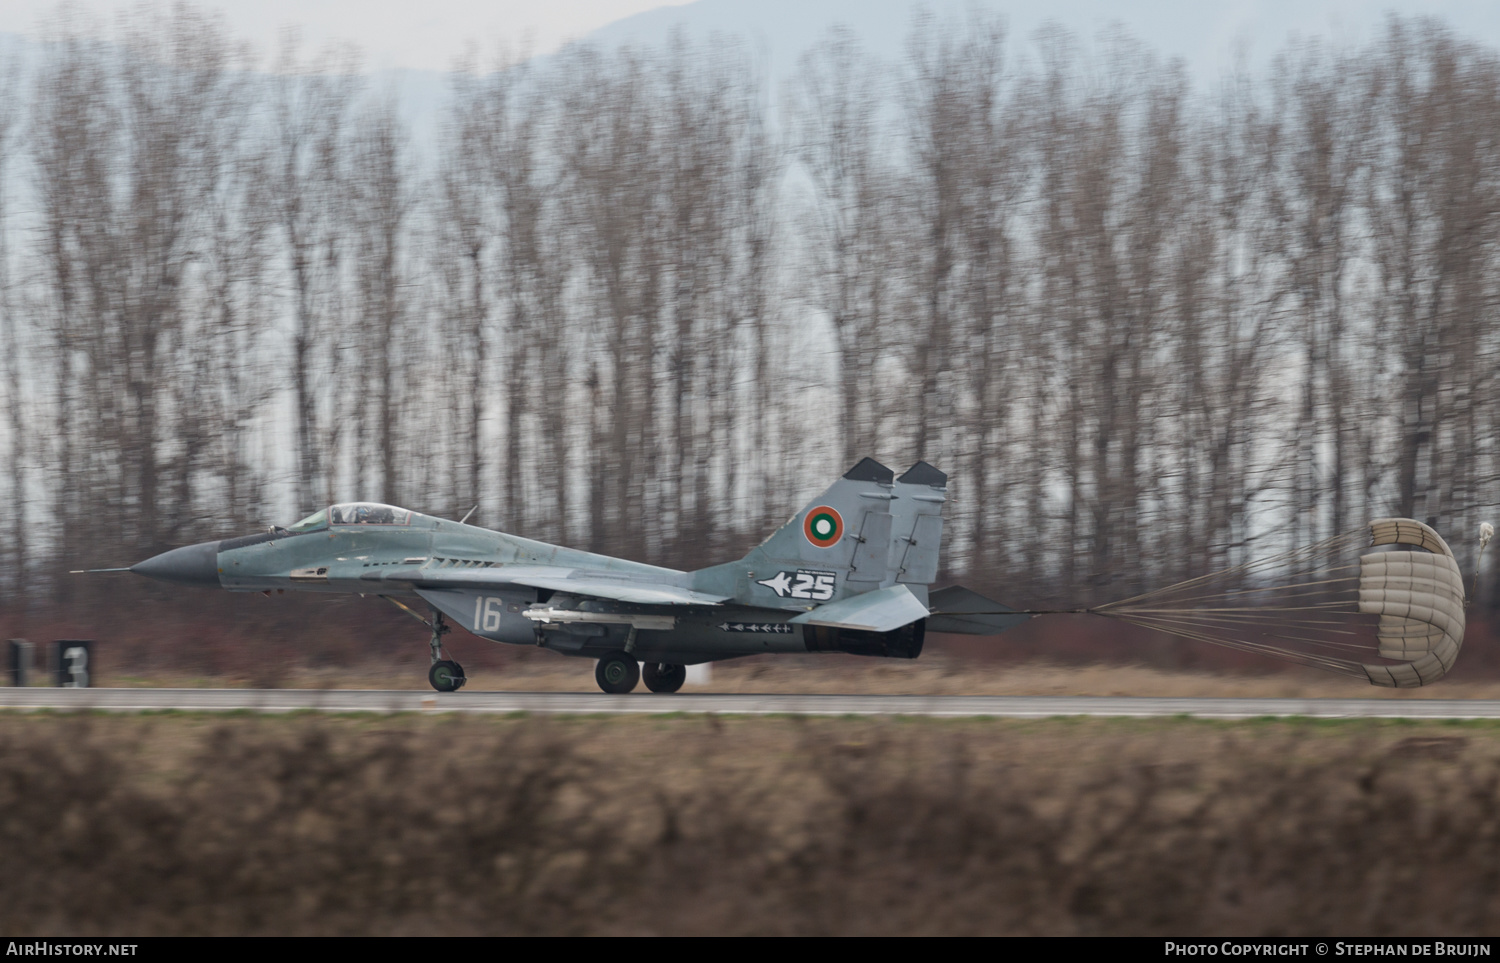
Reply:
x=663, y=676
x=617, y=673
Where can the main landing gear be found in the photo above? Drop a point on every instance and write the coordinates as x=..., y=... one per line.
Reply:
x=618, y=673
x=663, y=677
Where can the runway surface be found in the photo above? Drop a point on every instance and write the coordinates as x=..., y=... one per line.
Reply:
x=588, y=703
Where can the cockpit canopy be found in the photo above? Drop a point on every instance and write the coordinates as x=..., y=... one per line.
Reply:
x=353, y=513
x=368, y=513
x=312, y=523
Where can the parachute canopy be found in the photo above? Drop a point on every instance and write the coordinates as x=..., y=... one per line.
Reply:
x=1419, y=597
x=1320, y=607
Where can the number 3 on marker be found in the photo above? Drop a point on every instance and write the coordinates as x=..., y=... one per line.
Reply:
x=78, y=666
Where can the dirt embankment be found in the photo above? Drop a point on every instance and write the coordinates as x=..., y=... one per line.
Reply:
x=192, y=824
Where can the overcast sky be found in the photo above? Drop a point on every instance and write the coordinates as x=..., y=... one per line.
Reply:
x=426, y=34
x=436, y=34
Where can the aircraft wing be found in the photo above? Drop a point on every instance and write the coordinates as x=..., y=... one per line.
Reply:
x=571, y=581
x=880, y=611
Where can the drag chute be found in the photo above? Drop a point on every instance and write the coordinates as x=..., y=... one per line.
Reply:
x=1394, y=616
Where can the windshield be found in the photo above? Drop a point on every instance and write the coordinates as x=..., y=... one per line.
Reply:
x=368, y=513
x=312, y=523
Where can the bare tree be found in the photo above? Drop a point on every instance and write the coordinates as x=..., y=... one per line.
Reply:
x=609, y=130
x=309, y=115
x=1229, y=296
x=1434, y=202
x=465, y=232
x=131, y=141
x=1324, y=136
x=1114, y=198
x=380, y=203
x=856, y=224
x=11, y=343
x=967, y=125
x=229, y=385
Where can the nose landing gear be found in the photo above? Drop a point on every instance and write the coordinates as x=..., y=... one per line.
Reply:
x=445, y=675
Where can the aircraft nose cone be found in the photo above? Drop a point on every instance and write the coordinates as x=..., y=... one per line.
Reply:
x=189, y=565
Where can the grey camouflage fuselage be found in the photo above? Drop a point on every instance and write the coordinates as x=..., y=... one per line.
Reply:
x=849, y=572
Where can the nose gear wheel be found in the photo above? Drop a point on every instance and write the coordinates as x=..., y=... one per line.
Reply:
x=446, y=676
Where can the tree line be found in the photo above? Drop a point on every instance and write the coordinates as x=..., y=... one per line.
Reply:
x=645, y=300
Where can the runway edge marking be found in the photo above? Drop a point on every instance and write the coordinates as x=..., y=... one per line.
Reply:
x=558, y=703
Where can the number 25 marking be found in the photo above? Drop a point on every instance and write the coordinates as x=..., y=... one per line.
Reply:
x=811, y=586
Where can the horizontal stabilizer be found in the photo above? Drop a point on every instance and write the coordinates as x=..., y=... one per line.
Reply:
x=883, y=610
x=963, y=612
x=556, y=579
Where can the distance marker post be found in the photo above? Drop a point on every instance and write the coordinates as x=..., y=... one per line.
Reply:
x=72, y=663
x=18, y=660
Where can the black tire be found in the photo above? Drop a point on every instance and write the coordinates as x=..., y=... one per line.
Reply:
x=446, y=676
x=663, y=676
x=617, y=673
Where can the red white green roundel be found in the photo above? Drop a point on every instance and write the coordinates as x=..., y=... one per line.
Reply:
x=823, y=526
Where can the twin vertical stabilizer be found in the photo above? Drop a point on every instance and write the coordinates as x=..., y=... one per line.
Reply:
x=867, y=532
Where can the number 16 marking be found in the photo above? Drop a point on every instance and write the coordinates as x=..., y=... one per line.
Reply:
x=487, y=612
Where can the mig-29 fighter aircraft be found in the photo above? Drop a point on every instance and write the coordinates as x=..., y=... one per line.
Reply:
x=848, y=573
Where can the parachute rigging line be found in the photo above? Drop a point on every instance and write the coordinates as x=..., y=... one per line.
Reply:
x=1394, y=616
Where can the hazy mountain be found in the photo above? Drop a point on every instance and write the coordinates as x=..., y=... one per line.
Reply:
x=1209, y=37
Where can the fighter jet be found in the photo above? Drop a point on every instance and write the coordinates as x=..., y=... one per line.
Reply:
x=850, y=572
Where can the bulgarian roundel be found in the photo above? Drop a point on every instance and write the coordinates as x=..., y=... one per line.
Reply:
x=823, y=526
